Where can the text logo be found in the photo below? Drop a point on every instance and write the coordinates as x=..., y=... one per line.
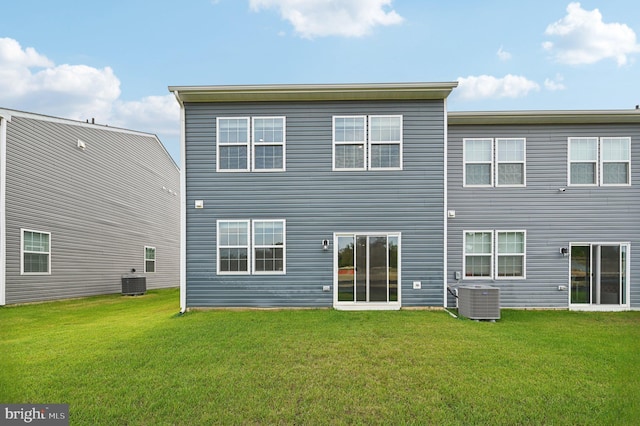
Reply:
x=35, y=414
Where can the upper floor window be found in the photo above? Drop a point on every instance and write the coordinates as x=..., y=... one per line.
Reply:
x=373, y=142
x=268, y=143
x=599, y=161
x=245, y=144
x=494, y=162
x=35, y=252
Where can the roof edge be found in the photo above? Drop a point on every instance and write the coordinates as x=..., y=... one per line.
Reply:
x=8, y=113
x=313, y=92
x=544, y=117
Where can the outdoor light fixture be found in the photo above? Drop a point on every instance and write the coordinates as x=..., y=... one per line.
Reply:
x=564, y=251
x=325, y=244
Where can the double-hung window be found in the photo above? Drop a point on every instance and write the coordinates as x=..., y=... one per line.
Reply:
x=478, y=254
x=232, y=144
x=149, y=259
x=268, y=246
x=367, y=142
x=268, y=143
x=478, y=162
x=599, y=161
x=35, y=252
x=233, y=246
x=494, y=162
x=510, y=253
x=251, y=246
x=250, y=144
x=494, y=254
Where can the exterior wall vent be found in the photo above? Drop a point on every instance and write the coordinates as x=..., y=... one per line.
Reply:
x=81, y=145
x=479, y=302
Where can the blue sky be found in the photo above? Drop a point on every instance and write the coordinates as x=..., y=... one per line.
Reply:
x=113, y=61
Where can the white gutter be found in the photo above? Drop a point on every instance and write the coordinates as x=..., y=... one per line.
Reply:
x=3, y=205
x=544, y=117
x=314, y=92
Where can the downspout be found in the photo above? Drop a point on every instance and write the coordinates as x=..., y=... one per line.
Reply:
x=3, y=205
x=183, y=207
x=445, y=204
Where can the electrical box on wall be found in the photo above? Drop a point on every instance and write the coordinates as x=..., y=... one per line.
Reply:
x=417, y=285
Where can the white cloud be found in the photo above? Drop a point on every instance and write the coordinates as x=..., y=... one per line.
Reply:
x=11, y=53
x=554, y=85
x=31, y=82
x=152, y=112
x=487, y=86
x=583, y=38
x=503, y=54
x=318, y=18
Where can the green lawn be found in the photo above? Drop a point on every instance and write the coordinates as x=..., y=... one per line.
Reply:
x=133, y=361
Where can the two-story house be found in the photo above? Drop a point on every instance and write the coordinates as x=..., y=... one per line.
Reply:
x=373, y=196
x=545, y=205
x=81, y=204
x=314, y=195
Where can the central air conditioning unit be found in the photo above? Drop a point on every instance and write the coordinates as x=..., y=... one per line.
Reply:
x=134, y=285
x=479, y=302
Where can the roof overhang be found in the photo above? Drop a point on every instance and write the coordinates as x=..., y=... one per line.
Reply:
x=313, y=92
x=544, y=117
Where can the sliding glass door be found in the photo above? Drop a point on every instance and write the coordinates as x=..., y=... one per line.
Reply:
x=599, y=274
x=367, y=268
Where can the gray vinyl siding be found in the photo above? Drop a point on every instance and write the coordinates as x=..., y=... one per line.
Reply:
x=552, y=219
x=316, y=202
x=102, y=206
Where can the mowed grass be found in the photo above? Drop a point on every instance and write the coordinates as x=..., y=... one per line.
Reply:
x=133, y=361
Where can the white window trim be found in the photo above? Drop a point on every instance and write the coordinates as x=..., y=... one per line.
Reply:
x=494, y=170
x=247, y=246
x=22, y=252
x=602, y=162
x=255, y=246
x=464, y=254
x=599, y=162
x=595, y=162
x=251, y=144
x=366, y=143
x=523, y=162
x=335, y=143
x=493, y=276
x=251, y=270
x=371, y=143
x=255, y=143
x=155, y=264
x=524, y=254
x=465, y=162
x=219, y=144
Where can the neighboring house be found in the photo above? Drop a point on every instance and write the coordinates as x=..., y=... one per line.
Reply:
x=546, y=207
x=372, y=196
x=80, y=205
